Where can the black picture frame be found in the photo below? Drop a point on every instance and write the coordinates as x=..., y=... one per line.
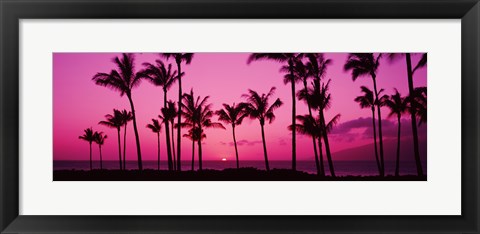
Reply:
x=11, y=11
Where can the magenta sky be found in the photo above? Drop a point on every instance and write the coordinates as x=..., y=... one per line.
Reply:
x=78, y=104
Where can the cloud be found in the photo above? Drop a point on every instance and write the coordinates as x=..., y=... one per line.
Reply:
x=346, y=127
x=346, y=137
x=241, y=143
x=362, y=128
x=389, y=129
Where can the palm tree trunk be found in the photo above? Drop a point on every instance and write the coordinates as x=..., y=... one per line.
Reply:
x=119, y=148
x=382, y=163
x=317, y=162
x=101, y=160
x=179, y=116
x=90, y=156
x=327, y=145
x=173, y=147
x=125, y=145
x=167, y=134
x=193, y=155
x=294, y=114
x=235, y=143
x=137, y=138
x=169, y=150
x=158, y=150
x=380, y=171
x=267, y=167
x=413, y=116
x=397, y=166
x=200, y=154
x=322, y=167
x=313, y=137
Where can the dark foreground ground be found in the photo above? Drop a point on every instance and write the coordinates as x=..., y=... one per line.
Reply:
x=242, y=174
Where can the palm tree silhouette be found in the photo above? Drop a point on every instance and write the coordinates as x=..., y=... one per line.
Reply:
x=325, y=129
x=190, y=136
x=198, y=113
x=367, y=100
x=320, y=99
x=173, y=114
x=257, y=107
x=420, y=99
x=364, y=64
x=115, y=121
x=179, y=58
x=88, y=136
x=168, y=113
x=123, y=79
x=397, y=105
x=161, y=75
x=315, y=67
x=233, y=115
x=99, y=138
x=126, y=117
x=289, y=59
x=413, y=108
x=302, y=71
x=156, y=128
x=194, y=135
x=311, y=127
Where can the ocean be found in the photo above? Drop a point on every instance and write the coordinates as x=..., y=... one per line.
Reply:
x=342, y=168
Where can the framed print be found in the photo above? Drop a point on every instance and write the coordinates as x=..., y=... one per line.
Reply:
x=239, y=116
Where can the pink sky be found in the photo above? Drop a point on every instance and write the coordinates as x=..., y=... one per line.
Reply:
x=78, y=104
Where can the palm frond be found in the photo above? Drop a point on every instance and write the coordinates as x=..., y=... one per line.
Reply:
x=99, y=138
x=155, y=126
x=332, y=123
x=361, y=64
x=421, y=63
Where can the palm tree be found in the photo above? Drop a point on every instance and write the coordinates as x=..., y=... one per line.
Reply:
x=289, y=59
x=315, y=67
x=88, y=137
x=397, y=105
x=194, y=135
x=99, y=138
x=190, y=136
x=156, y=128
x=198, y=114
x=320, y=99
x=233, y=115
x=115, y=121
x=168, y=113
x=179, y=58
x=420, y=99
x=257, y=107
x=174, y=113
x=413, y=108
x=367, y=100
x=366, y=64
x=124, y=79
x=161, y=75
x=126, y=117
x=310, y=126
x=302, y=71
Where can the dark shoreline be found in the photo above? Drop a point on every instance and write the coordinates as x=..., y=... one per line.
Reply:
x=242, y=174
